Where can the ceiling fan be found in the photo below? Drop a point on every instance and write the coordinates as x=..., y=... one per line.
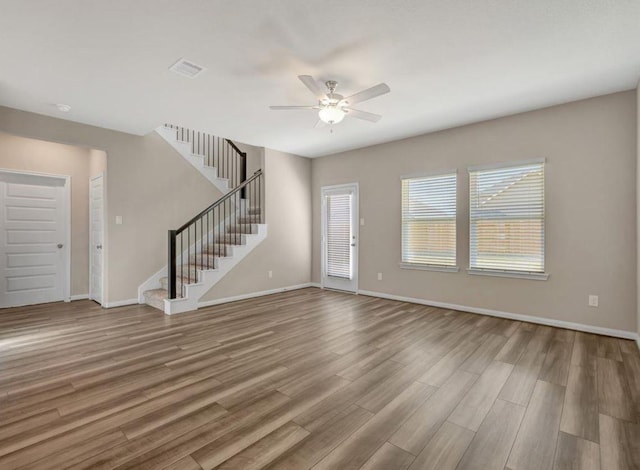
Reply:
x=333, y=107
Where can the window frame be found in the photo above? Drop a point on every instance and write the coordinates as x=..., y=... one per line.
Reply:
x=512, y=273
x=426, y=266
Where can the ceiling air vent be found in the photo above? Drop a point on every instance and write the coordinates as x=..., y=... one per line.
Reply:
x=186, y=68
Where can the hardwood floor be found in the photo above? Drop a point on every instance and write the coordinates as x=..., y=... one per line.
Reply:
x=310, y=379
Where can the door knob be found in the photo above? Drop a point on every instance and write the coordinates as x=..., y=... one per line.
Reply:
x=60, y=245
x=99, y=247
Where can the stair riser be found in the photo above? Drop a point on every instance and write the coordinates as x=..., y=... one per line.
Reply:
x=156, y=303
x=204, y=261
x=241, y=228
x=164, y=282
x=252, y=219
x=232, y=239
x=192, y=279
x=218, y=252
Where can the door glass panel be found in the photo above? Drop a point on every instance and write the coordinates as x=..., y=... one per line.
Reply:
x=339, y=236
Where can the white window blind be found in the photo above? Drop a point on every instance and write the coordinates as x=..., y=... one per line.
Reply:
x=507, y=218
x=339, y=235
x=429, y=220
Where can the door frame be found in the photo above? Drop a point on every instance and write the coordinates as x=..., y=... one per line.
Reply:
x=102, y=175
x=66, y=288
x=356, y=230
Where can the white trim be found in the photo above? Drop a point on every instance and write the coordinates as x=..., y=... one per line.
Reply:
x=497, y=165
x=120, y=303
x=429, y=267
x=513, y=274
x=511, y=316
x=79, y=297
x=413, y=176
x=251, y=295
x=67, y=287
x=323, y=209
x=66, y=290
x=338, y=187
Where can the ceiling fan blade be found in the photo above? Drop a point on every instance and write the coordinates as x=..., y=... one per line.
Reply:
x=313, y=86
x=362, y=115
x=279, y=108
x=379, y=89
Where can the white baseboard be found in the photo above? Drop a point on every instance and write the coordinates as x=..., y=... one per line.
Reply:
x=120, y=303
x=511, y=316
x=251, y=295
x=79, y=297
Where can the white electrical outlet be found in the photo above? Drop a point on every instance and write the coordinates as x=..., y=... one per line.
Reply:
x=379, y=276
x=362, y=222
x=270, y=274
x=593, y=300
x=118, y=220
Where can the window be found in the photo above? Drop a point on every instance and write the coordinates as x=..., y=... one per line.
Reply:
x=429, y=221
x=506, y=217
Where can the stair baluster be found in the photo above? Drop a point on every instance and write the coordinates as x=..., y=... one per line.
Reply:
x=221, y=225
x=218, y=152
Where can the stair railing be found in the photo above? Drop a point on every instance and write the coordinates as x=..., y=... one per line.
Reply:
x=217, y=152
x=208, y=235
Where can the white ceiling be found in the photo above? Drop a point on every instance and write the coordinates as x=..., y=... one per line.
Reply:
x=447, y=63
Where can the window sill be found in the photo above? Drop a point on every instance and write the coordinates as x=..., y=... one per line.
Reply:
x=430, y=267
x=512, y=274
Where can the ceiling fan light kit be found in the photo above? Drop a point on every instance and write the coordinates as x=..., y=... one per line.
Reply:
x=333, y=107
x=331, y=114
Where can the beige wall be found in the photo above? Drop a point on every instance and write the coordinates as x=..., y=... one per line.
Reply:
x=148, y=184
x=154, y=189
x=19, y=153
x=287, y=248
x=590, y=148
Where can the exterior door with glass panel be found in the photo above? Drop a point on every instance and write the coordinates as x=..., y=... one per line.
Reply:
x=340, y=237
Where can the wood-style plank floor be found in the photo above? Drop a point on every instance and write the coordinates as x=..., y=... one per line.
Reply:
x=310, y=379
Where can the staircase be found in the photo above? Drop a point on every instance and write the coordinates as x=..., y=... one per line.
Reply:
x=205, y=248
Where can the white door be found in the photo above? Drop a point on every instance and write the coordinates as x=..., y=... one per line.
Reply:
x=33, y=235
x=96, y=231
x=340, y=237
